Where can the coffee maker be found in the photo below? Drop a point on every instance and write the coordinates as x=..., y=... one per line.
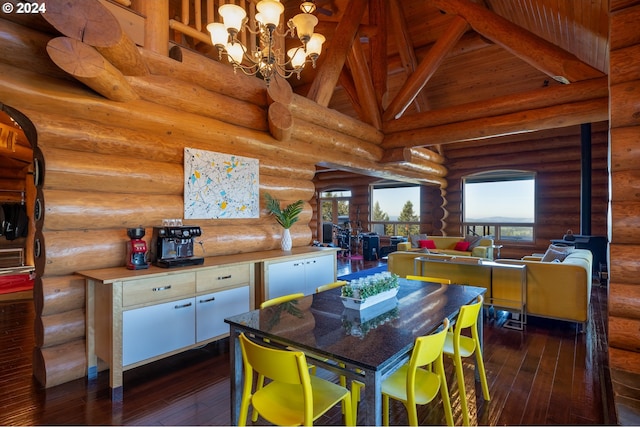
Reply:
x=136, y=249
x=173, y=246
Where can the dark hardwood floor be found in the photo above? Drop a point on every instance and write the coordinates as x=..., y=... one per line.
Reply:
x=549, y=374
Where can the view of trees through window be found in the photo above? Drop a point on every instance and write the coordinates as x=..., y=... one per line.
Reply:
x=335, y=207
x=395, y=210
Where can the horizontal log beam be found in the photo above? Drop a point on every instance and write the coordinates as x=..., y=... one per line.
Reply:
x=534, y=99
x=521, y=122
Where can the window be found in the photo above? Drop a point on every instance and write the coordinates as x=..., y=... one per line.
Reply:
x=501, y=204
x=395, y=209
x=335, y=206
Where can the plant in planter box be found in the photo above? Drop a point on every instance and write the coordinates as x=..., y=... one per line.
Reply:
x=285, y=217
x=371, y=285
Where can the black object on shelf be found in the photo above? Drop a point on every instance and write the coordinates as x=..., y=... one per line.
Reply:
x=596, y=244
x=370, y=247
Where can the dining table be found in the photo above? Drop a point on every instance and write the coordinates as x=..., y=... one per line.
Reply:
x=366, y=346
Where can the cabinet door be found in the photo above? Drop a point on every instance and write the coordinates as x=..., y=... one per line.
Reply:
x=213, y=308
x=319, y=271
x=151, y=331
x=285, y=278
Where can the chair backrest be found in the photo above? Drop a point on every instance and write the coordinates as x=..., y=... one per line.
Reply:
x=430, y=279
x=467, y=318
x=427, y=348
x=280, y=300
x=284, y=366
x=331, y=286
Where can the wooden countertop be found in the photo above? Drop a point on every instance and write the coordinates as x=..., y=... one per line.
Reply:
x=114, y=274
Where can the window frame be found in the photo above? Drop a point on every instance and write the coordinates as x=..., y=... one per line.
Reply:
x=497, y=228
x=395, y=226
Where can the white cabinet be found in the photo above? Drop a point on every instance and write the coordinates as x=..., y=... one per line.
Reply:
x=319, y=271
x=304, y=275
x=162, y=328
x=213, y=308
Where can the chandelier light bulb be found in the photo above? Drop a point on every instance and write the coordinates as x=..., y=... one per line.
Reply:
x=219, y=34
x=304, y=23
x=270, y=11
x=297, y=56
x=235, y=52
x=233, y=17
x=314, y=46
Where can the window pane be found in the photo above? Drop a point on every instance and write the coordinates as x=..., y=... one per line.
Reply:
x=398, y=203
x=499, y=202
x=516, y=233
x=327, y=210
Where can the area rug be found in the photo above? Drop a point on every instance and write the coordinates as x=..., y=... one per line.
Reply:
x=363, y=273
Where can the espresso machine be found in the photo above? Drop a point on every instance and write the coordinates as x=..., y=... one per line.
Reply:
x=136, y=249
x=173, y=245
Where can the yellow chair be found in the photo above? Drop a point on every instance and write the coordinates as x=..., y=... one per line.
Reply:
x=292, y=397
x=458, y=346
x=280, y=300
x=413, y=385
x=429, y=279
x=356, y=385
x=328, y=286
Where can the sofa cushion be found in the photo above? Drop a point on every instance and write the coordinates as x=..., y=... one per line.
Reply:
x=556, y=253
x=429, y=244
x=415, y=239
x=473, y=241
x=462, y=246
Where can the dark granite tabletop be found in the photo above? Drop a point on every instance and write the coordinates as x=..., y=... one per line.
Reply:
x=372, y=339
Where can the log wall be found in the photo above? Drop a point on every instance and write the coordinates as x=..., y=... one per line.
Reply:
x=555, y=158
x=624, y=229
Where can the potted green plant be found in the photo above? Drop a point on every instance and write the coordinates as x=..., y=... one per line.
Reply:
x=285, y=217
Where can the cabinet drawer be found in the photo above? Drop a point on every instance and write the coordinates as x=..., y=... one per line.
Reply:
x=152, y=289
x=223, y=277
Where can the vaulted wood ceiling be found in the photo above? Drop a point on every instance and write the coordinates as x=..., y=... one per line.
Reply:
x=412, y=56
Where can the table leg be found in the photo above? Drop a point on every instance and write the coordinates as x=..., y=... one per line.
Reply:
x=235, y=356
x=373, y=398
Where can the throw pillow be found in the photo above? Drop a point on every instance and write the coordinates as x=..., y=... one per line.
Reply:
x=555, y=252
x=473, y=241
x=415, y=239
x=462, y=246
x=429, y=244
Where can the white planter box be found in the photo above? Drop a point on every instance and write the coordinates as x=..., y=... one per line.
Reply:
x=358, y=304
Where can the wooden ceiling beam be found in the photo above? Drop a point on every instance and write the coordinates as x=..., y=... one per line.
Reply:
x=417, y=81
x=349, y=87
x=527, y=120
x=332, y=62
x=357, y=62
x=539, y=53
x=538, y=98
x=406, y=51
x=378, y=13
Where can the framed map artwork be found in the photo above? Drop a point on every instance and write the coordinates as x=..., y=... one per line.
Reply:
x=220, y=185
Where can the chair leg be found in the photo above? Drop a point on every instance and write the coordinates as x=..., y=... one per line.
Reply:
x=462, y=391
x=348, y=411
x=259, y=385
x=412, y=414
x=385, y=410
x=446, y=402
x=483, y=376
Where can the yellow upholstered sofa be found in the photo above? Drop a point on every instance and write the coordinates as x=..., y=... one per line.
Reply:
x=446, y=245
x=464, y=270
x=559, y=290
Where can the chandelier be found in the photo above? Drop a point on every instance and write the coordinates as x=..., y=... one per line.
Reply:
x=266, y=60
